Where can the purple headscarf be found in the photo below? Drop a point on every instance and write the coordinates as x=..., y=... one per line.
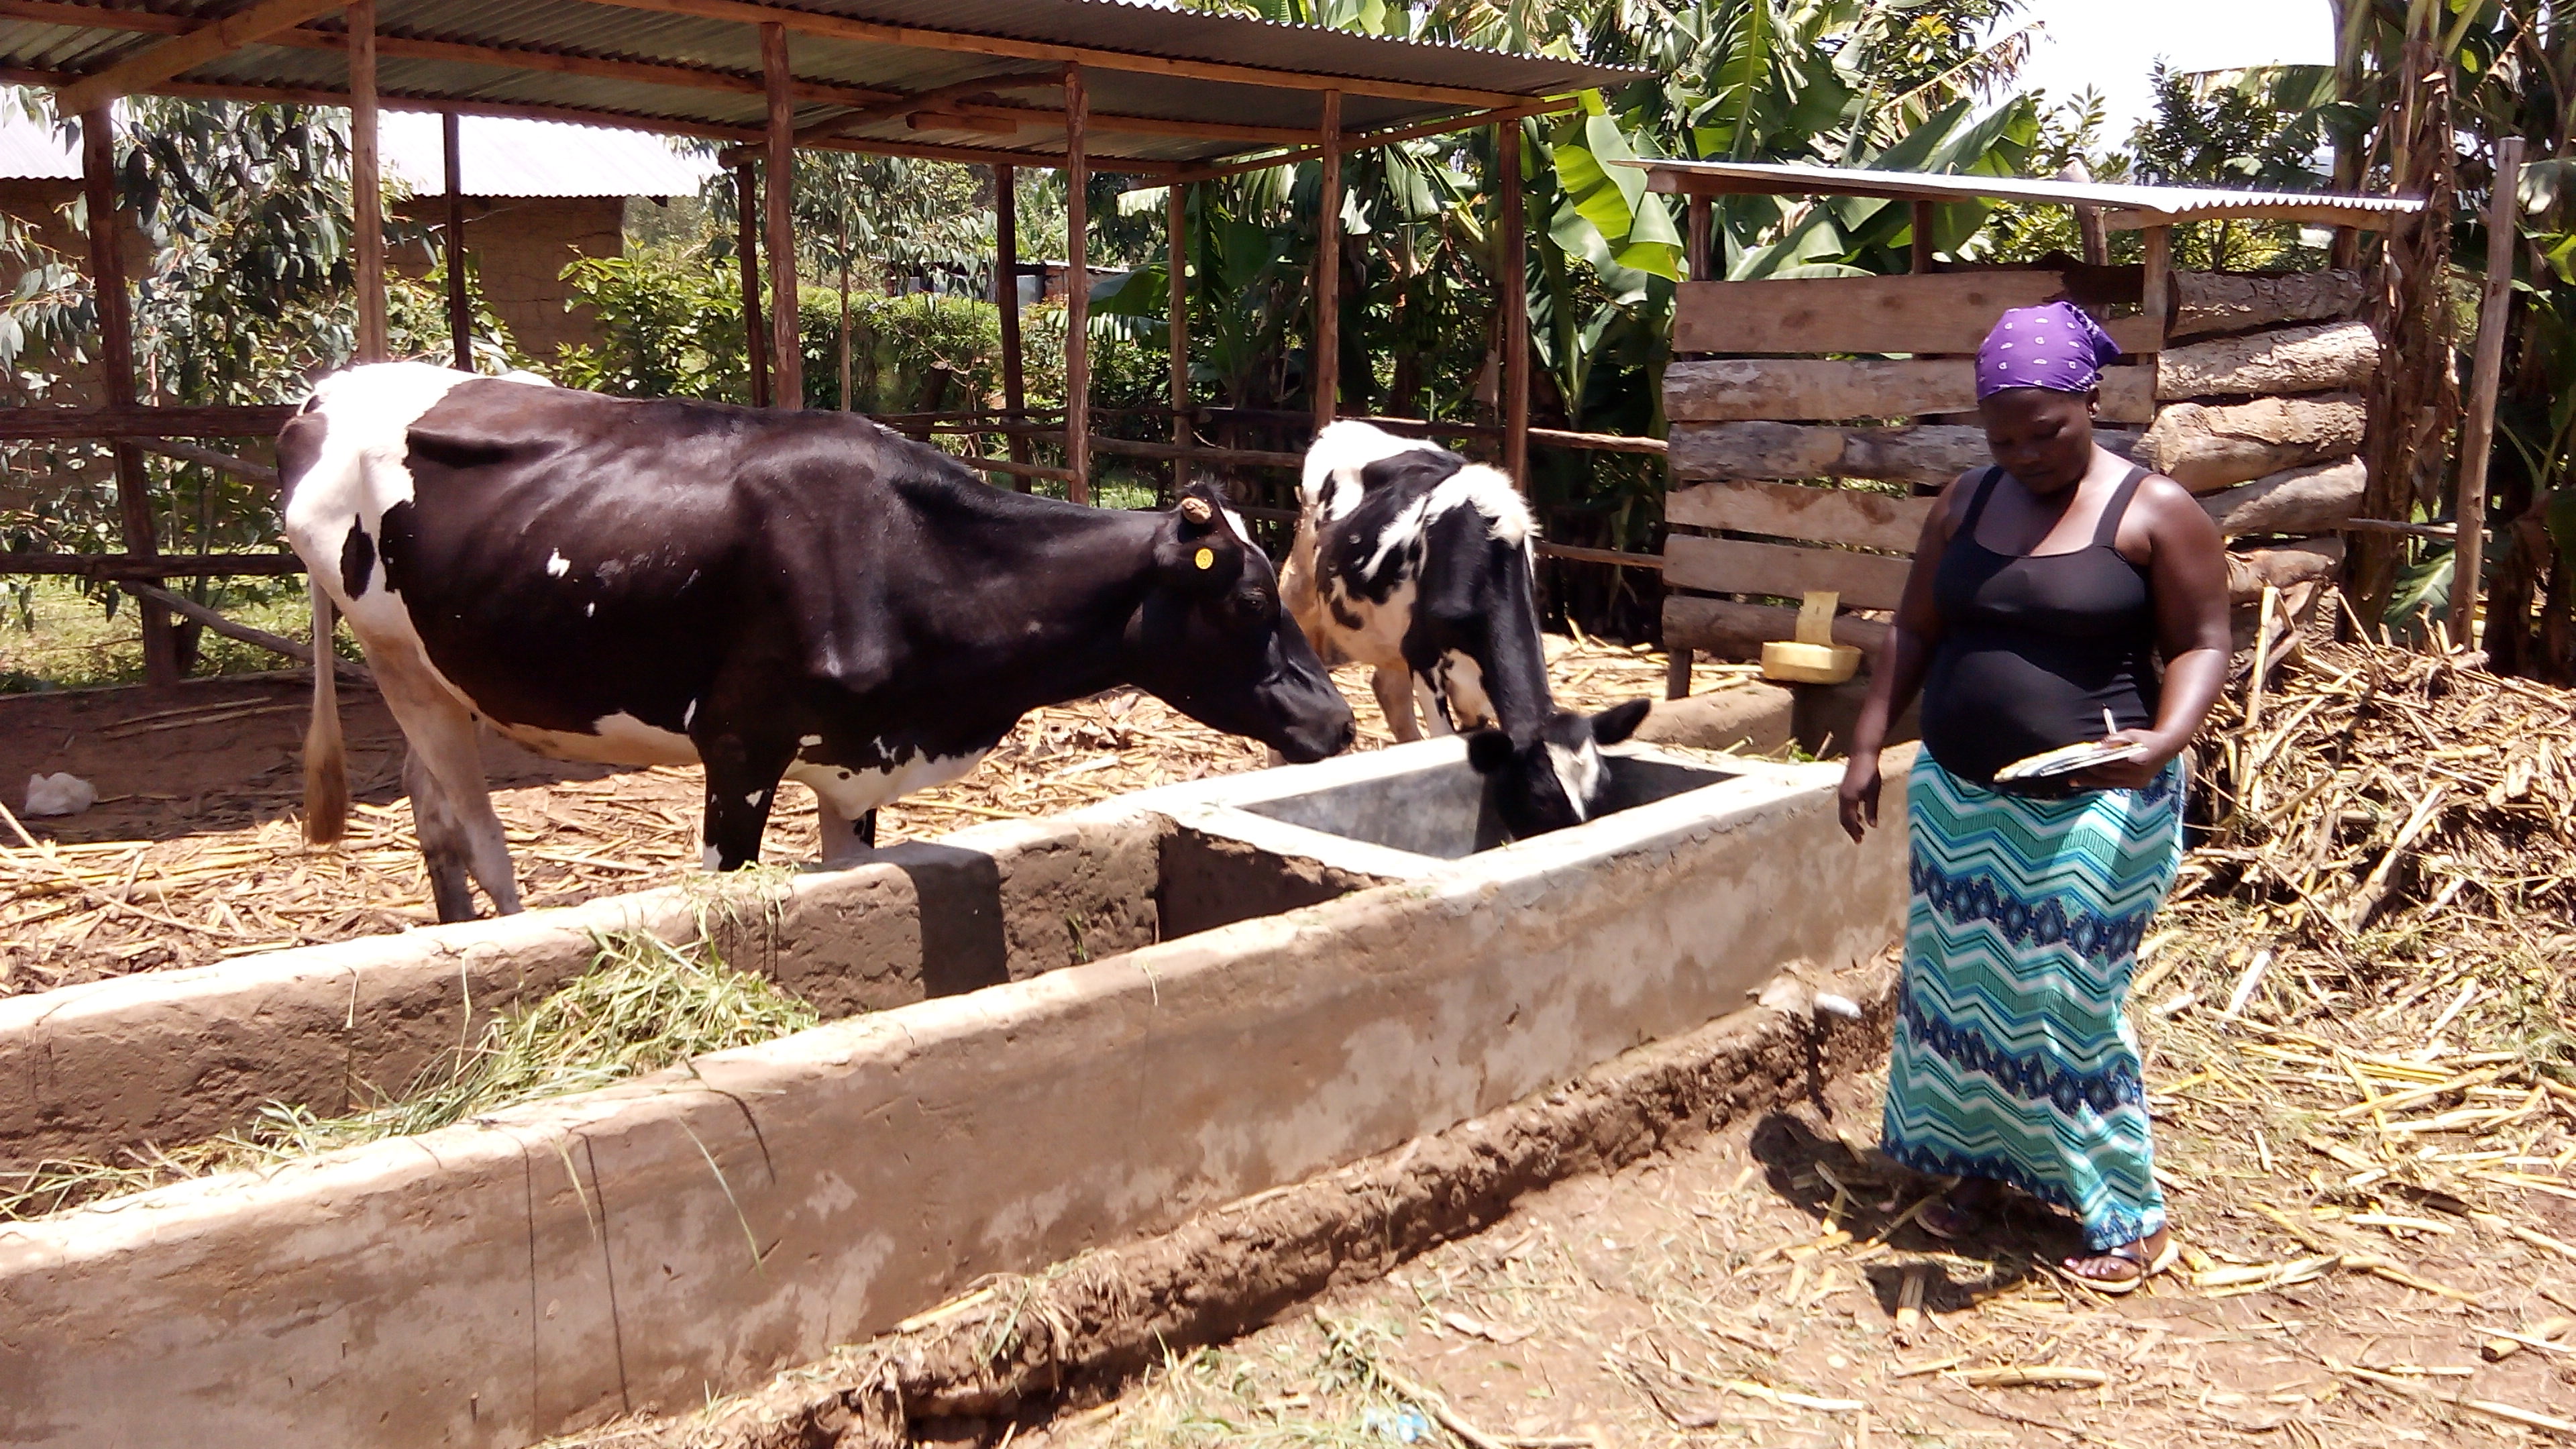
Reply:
x=2057, y=346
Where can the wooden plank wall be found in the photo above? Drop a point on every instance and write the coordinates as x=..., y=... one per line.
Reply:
x=1755, y=432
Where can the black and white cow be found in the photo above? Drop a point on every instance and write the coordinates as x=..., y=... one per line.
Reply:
x=1420, y=564
x=775, y=595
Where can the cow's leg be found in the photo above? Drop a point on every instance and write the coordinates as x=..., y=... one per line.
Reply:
x=1435, y=708
x=1394, y=691
x=742, y=782
x=843, y=837
x=444, y=841
x=444, y=744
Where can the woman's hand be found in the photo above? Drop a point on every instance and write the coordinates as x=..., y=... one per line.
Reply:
x=1857, y=797
x=2130, y=774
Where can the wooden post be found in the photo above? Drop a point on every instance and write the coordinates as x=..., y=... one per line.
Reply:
x=786, y=341
x=1921, y=261
x=746, y=246
x=366, y=184
x=2345, y=253
x=2486, y=377
x=1327, y=355
x=1176, y=221
x=460, y=306
x=1077, y=290
x=1700, y=264
x=843, y=255
x=1515, y=303
x=1006, y=295
x=116, y=363
x=2092, y=231
x=2155, y=296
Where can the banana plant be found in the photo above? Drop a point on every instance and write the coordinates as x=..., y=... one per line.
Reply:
x=2510, y=67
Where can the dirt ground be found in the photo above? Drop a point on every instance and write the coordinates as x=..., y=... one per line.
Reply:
x=1754, y=1289
x=194, y=854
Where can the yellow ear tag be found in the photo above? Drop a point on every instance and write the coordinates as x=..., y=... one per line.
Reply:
x=1207, y=558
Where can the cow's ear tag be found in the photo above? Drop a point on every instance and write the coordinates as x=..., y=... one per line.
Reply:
x=1207, y=558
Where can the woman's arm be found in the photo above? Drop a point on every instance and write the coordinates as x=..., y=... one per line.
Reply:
x=2187, y=577
x=1896, y=676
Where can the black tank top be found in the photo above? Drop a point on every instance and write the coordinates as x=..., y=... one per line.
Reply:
x=2035, y=647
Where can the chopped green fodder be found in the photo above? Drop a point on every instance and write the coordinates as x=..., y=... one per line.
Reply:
x=643, y=1005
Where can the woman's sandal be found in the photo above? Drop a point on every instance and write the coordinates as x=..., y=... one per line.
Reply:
x=2141, y=1268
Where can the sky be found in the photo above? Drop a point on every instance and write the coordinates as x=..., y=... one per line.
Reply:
x=2110, y=45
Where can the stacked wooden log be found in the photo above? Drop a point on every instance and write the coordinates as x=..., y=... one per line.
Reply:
x=2260, y=413
x=1756, y=435
x=1799, y=466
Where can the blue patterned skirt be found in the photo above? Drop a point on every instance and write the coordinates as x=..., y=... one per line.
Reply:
x=2013, y=1060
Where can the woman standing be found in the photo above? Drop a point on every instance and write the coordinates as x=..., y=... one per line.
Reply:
x=2044, y=594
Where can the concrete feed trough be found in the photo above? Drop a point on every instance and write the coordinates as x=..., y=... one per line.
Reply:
x=1293, y=979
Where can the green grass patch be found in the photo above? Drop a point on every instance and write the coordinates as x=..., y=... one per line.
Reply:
x=54, y=636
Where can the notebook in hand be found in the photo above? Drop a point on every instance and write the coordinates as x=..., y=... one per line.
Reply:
x=2049, y=764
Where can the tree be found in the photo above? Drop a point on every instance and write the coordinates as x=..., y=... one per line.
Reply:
x=2254, y=130
x=246, y=296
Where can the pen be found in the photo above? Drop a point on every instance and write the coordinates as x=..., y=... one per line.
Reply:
x=2108, y=728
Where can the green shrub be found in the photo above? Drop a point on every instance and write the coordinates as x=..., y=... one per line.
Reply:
x=670, y=325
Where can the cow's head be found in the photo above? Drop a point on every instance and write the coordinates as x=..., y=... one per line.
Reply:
x=1212, y=641
x=1556, y=778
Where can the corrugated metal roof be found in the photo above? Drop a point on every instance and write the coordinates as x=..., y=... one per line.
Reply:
x=538, y=158
x=726, y=54
x=32, y=151
x=502, y=157
x=2150, y=205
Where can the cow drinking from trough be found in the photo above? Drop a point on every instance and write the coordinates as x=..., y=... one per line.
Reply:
x=774, y=595
x=1422, y=565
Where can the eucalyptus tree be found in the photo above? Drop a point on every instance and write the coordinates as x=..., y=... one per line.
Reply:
x=244, y=295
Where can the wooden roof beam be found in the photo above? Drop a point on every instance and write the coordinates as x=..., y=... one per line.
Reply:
x=867, y=104
x=581, y=116
x=1361, y=140
x=1697, y=183
x=842, y=27
x=95, y=17
x=684, y=77
x=2357, y=219
x=1114, y=124
x=148, y=69
x=851, y=120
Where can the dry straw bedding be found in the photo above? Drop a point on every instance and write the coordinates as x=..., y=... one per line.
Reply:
x=72, y=912
x=2400, y=1275
x=2368, y=786
x=644, y=1005
x=2360, y=1029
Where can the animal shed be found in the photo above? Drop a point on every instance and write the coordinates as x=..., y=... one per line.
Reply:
x=1307, y=975
x=1162, y=95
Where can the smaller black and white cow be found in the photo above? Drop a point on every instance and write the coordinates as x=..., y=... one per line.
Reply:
x=800, y=596
x=1421, y=565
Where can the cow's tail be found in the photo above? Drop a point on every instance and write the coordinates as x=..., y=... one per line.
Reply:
x=326, y=764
